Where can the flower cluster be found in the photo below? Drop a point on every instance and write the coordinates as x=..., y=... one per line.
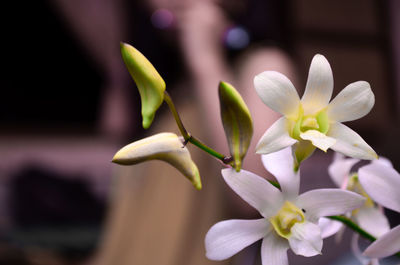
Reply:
x=289, y=220
x=297, y=221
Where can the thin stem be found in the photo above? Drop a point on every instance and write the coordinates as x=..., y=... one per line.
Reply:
x=178, y=120
x=188, y=137
x=353, y=226
x=356, y=228
x=209, y=150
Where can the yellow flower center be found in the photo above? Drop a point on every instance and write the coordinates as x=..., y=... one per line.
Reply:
x=355, y=186
x=302, y=123
x=286, y=218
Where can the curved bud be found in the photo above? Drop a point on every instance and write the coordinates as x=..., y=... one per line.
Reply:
x=237, y=122
x=163, y=146
x=149, y=82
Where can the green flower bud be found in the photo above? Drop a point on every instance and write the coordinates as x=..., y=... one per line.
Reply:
x=167, y=147
x=149, y=82
x=237, y=122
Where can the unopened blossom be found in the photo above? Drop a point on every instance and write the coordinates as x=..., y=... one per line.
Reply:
x=149, y=82
x=382, y=183
x=370, y=216
x=166, y=147
x=289, y=220
x=313, y=121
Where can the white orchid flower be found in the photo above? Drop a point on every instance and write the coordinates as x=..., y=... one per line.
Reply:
x=370, y=216
x=313, y=121
x=289, y=220
x=382, y=183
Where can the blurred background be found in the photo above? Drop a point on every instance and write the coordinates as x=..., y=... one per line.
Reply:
x=68, y=104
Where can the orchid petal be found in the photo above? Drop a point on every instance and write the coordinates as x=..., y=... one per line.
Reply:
x=383, y=161
x=340, y=168
x=319, y=85
x=349, y=143
x=255, y=190
x=353, y=102
x=226, y=238
x=358, y=254
x=281, y=165
x=318, y=139
x=326, y=202
x=273, y=250
x=275, y=138
x=277, y=92
x=386, y=245
x=373, y=220
x=306, y=239
x=329, y=227
x=382, y=184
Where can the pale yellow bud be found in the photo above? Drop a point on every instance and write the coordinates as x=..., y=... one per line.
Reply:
x=167, y=147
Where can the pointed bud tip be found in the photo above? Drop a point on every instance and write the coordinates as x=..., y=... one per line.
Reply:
x=147, y=120
x=197, y=185
x=117, y=159
x=224, y=85
x=195, y=178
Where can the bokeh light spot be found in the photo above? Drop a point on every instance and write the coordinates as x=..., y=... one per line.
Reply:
x=162, y=18
x=237, y=38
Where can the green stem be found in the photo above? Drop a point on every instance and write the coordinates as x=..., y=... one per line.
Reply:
x=190, y=138
x=349, y=223
x=178, y=120
x=209, y=150
x=353, y=226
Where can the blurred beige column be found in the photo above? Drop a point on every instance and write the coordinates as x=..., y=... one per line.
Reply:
x=156, y=215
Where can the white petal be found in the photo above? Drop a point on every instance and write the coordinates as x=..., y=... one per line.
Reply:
x=277, y=92
x=273, y=250
x=382, y=184
x=318, y=139
x=306, y=239
x=255, y=190
x=329, y=227
x=319, y=85
x=383, y=161
x=281, y=165
x=353, y=102
x=373, y=220
x=339, y=170
x=386, y=245
x=357, y=252
x=326, y=202
x=349, y=143
x=275, y=138
x=226, y=238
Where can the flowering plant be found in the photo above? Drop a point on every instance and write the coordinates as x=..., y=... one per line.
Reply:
x=289, y=220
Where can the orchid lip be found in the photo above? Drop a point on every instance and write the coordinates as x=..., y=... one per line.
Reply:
x=288, y=215
x=302, y=123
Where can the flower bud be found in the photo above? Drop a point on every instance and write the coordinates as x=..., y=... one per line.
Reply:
x=163, y=146
x=149, y=82
x=237, y=122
